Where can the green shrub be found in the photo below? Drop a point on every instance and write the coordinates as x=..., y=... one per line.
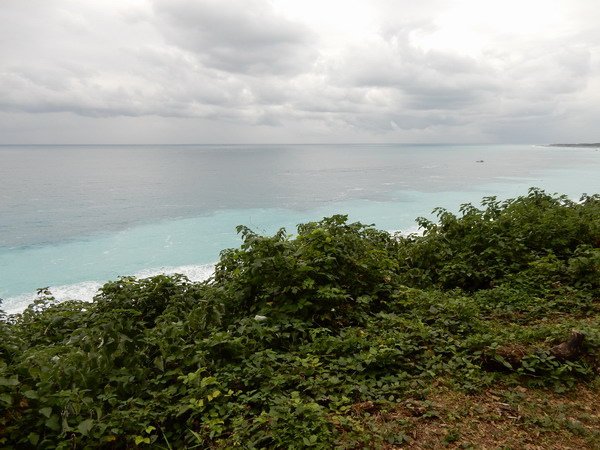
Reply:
x=293, y=332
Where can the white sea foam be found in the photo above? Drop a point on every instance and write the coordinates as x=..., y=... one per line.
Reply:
x=86, y=290
x=408, y=231
x=194, y=273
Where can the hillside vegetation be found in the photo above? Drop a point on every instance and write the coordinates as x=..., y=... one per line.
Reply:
x=484, y=332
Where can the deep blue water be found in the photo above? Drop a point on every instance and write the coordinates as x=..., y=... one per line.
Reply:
x=72, y=217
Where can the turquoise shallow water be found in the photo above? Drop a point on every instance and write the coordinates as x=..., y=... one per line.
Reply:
x=73, y=217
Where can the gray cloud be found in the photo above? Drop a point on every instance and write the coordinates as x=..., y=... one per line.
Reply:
x=244, y=70
x=244, y=36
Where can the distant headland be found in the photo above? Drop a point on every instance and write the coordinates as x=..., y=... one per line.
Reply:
x=592, y=145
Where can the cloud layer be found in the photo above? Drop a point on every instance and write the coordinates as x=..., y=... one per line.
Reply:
x=284, y=71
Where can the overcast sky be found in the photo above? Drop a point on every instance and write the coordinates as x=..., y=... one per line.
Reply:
x=256, y=71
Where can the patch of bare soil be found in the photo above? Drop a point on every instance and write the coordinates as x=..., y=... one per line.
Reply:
x=508, y=418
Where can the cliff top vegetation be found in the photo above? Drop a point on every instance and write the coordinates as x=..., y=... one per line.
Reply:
x=484, y=331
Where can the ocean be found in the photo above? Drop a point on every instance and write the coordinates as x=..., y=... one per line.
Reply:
x=73, y=217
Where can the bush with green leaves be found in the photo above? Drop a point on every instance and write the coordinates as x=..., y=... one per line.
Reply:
x=333, y=272
x=292, y=332
x=482, y=247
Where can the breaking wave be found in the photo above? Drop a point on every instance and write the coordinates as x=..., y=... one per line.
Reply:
x=86, y=290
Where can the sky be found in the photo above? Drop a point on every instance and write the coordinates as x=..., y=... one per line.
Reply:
x=291, y=71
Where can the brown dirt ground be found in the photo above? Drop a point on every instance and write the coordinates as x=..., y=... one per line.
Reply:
x=516, y=418
x=499, y=418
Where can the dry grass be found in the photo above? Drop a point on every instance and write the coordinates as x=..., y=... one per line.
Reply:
x=517, y=418
x=507, y=418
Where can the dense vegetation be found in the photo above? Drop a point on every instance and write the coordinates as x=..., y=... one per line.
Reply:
x=320, y=339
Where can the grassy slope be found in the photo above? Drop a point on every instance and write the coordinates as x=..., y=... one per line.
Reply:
x=340, y=336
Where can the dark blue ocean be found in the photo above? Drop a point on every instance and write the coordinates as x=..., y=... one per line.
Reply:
x=72, y=217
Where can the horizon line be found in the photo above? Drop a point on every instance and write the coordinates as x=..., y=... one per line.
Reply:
x=271, y=143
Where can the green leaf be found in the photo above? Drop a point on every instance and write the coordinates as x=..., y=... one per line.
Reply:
x=30, y=394
x=12, y=381
x=6, y=398
x=33, y=438
x=53, y=423
x=159, y=363
x=85, y=426
x=141, y=440
x=46, y=412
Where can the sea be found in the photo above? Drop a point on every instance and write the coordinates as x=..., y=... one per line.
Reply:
x=75, y=216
